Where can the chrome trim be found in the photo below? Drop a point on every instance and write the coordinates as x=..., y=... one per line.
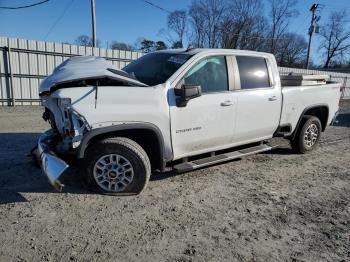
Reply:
x=52, y=166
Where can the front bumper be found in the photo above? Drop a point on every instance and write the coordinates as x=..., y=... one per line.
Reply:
x=52, y=166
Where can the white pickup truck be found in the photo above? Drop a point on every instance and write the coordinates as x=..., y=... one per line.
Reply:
x=179, y=109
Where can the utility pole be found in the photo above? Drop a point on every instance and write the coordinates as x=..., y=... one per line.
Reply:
x=93, y=23
x=313, y=28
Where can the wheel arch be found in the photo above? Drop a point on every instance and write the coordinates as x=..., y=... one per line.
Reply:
x=321, y=111
x=148, y=136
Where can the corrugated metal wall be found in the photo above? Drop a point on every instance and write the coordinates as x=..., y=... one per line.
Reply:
x=24, y=63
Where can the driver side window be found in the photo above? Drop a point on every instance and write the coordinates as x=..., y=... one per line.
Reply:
x=210, y=73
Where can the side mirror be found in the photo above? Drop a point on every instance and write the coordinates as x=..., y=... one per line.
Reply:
x=186, y=93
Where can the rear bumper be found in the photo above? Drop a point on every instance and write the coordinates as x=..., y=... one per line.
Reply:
x=52, y=166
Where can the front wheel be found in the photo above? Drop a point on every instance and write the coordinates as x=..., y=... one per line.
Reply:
x=116, y=166
x=307, y=135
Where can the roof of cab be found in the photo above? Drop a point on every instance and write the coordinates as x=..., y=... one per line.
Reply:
x=181, y=51
x=193, y=51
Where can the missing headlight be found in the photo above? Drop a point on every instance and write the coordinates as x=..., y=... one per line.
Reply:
x=74, y=124
x=79, y=127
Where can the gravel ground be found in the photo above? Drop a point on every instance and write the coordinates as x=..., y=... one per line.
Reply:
x=276, y=206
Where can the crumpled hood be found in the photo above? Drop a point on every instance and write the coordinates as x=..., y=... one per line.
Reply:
x=85, y=67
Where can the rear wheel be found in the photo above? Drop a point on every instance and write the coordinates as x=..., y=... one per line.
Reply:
x=117, y=166
x=307, y=135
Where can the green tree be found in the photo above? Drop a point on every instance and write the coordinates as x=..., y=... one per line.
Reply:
x=160, y=45
x=177, y=44
x=147, y=45
x=121, y=46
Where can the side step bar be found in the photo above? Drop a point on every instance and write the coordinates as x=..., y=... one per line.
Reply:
x=188, y=166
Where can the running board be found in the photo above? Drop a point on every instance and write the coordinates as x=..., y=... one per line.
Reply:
x=188, y=166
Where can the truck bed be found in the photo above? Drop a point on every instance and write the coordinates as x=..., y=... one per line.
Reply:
x=298, y=99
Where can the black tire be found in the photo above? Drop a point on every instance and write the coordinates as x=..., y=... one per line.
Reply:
x=299, y=143
x=128, y=150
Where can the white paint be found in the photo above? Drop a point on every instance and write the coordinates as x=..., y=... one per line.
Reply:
x=204, y=124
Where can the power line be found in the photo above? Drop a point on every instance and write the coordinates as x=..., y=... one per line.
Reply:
x=59, y=18
x=24, y=6
x=156, y=6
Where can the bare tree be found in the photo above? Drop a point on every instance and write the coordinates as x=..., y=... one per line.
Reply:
x=85, y=40
x=166, y=35
x=280, y=14
x=214, y=13
x=206, y=19
x=197, y=18
x=335, y=37
x=177, y=22
x=254, y=36
x=291, y=50
x=243, y=25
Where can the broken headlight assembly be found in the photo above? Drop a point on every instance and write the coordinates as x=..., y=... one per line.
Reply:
x=74, y=124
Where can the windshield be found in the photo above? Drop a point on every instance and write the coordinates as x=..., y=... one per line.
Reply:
x=156, y=68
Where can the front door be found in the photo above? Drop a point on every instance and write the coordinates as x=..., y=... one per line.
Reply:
x=206, y=123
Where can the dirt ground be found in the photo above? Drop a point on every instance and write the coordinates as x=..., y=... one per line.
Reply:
x=276, y=206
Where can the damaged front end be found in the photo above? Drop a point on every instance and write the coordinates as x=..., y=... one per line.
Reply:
x=52, y=166
x=67, y=130
x=66, y=121
x=63, y=139
x=68, y=126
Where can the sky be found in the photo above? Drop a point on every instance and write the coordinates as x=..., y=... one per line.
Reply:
x=120, y=20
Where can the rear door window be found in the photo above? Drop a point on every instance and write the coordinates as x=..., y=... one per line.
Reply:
x=253, y=72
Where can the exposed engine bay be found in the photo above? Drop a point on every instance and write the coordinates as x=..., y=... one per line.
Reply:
x=69, y=125
x=76, y=72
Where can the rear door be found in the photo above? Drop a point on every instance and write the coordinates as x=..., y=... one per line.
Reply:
x=258, y=99
x=206, y=122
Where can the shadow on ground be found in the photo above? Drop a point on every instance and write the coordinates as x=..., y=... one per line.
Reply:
x=19, y=174
x=342, y=120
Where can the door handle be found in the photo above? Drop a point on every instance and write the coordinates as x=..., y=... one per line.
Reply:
x=273, y=98
x=226, y=103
